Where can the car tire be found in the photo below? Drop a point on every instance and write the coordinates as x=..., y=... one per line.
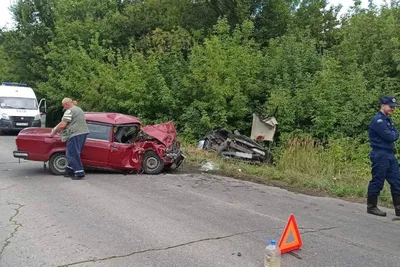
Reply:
x=57, y=163
x=152, y=163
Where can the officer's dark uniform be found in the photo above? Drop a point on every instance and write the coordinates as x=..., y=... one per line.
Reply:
x=382, y=135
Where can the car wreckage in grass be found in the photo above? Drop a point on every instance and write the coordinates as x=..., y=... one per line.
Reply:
x=115, y=142
x=234, y=145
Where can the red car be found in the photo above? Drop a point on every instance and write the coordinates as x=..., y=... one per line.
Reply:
x=115, y=142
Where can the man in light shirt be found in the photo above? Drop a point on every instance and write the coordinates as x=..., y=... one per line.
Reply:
x=74, y=133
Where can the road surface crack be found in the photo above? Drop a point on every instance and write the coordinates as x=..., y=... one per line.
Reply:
x=8, y=187
x=320, y=230
x=157, y=249
x=16, y=226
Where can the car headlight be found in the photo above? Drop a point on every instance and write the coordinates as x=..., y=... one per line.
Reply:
x=37, y=117
x=5, y=116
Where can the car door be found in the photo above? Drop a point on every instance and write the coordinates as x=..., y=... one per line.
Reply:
x=122, y=154
x=97, y=146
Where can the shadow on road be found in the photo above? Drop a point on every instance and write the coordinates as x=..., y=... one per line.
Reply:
x=13, y=133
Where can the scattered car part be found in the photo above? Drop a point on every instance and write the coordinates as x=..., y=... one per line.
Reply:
x=263, y=130
x=237, y=146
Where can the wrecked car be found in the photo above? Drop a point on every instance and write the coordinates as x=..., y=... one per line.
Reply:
x=234, y=145
x=115, y=142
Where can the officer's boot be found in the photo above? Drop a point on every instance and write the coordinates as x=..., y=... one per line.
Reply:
x=372, y=206
x=396, y=204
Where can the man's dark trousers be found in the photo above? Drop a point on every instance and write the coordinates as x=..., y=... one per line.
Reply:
x=74, y=149
x=384, y=166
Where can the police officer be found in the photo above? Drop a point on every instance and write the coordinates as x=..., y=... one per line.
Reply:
x=382, y=134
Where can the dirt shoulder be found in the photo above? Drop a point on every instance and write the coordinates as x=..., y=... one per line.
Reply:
x=192, y=167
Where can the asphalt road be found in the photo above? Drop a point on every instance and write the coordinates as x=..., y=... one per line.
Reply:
x=175, y=220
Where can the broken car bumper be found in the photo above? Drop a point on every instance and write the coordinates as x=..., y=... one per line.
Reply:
x=176, y=158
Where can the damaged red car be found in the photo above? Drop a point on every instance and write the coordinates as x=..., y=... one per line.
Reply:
x=115, y=142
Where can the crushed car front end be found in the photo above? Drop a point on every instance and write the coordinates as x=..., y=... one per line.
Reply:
x=166, y=135
x=174, y=154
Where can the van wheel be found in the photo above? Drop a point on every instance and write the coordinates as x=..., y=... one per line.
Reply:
x=152, y=163
x=58, y=163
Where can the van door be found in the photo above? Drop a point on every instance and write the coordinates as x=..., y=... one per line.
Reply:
x=43, y=111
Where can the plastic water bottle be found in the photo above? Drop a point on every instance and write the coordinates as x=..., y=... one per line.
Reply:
x=272, y=255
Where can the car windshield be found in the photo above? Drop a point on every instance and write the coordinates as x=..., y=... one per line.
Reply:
x=18, y=103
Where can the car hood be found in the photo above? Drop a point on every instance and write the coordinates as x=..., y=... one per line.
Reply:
x=164, y=132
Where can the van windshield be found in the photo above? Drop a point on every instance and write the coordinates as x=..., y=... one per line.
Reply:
x=18, y=103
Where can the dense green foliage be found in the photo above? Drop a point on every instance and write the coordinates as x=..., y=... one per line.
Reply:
x=210, y=63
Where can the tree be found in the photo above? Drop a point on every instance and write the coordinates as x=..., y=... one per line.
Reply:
x=27, y=44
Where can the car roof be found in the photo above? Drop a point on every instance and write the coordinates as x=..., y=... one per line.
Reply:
x=111, y=118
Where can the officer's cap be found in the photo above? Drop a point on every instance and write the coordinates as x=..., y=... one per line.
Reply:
x=389, y=100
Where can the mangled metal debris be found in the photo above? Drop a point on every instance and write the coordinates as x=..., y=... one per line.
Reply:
x=237, y=146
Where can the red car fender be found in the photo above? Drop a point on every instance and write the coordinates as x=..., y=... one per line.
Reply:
x=137, y=152
x=55, y=150
x=147, y=146
x=54, y=140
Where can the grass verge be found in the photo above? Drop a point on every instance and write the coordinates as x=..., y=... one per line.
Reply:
x=301, y=166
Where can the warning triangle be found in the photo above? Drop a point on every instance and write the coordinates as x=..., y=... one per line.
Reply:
x=291, y=230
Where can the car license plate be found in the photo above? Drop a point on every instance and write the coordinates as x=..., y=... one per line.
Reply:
x=22, y=124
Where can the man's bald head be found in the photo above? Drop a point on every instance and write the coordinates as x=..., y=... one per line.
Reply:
x=67, y=103
x=66, y=100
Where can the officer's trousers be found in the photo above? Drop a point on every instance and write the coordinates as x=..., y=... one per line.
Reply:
x=384, y=166
x=74, y=149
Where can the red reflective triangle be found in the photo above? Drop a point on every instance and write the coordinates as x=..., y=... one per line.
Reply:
x=291, y=228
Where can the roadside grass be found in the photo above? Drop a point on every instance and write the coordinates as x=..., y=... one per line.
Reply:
x=303, y=166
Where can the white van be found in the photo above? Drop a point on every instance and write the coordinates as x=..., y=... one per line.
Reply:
x=19, y=107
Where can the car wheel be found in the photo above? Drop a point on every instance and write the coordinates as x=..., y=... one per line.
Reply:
x=152, y=163
x=58, y=163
